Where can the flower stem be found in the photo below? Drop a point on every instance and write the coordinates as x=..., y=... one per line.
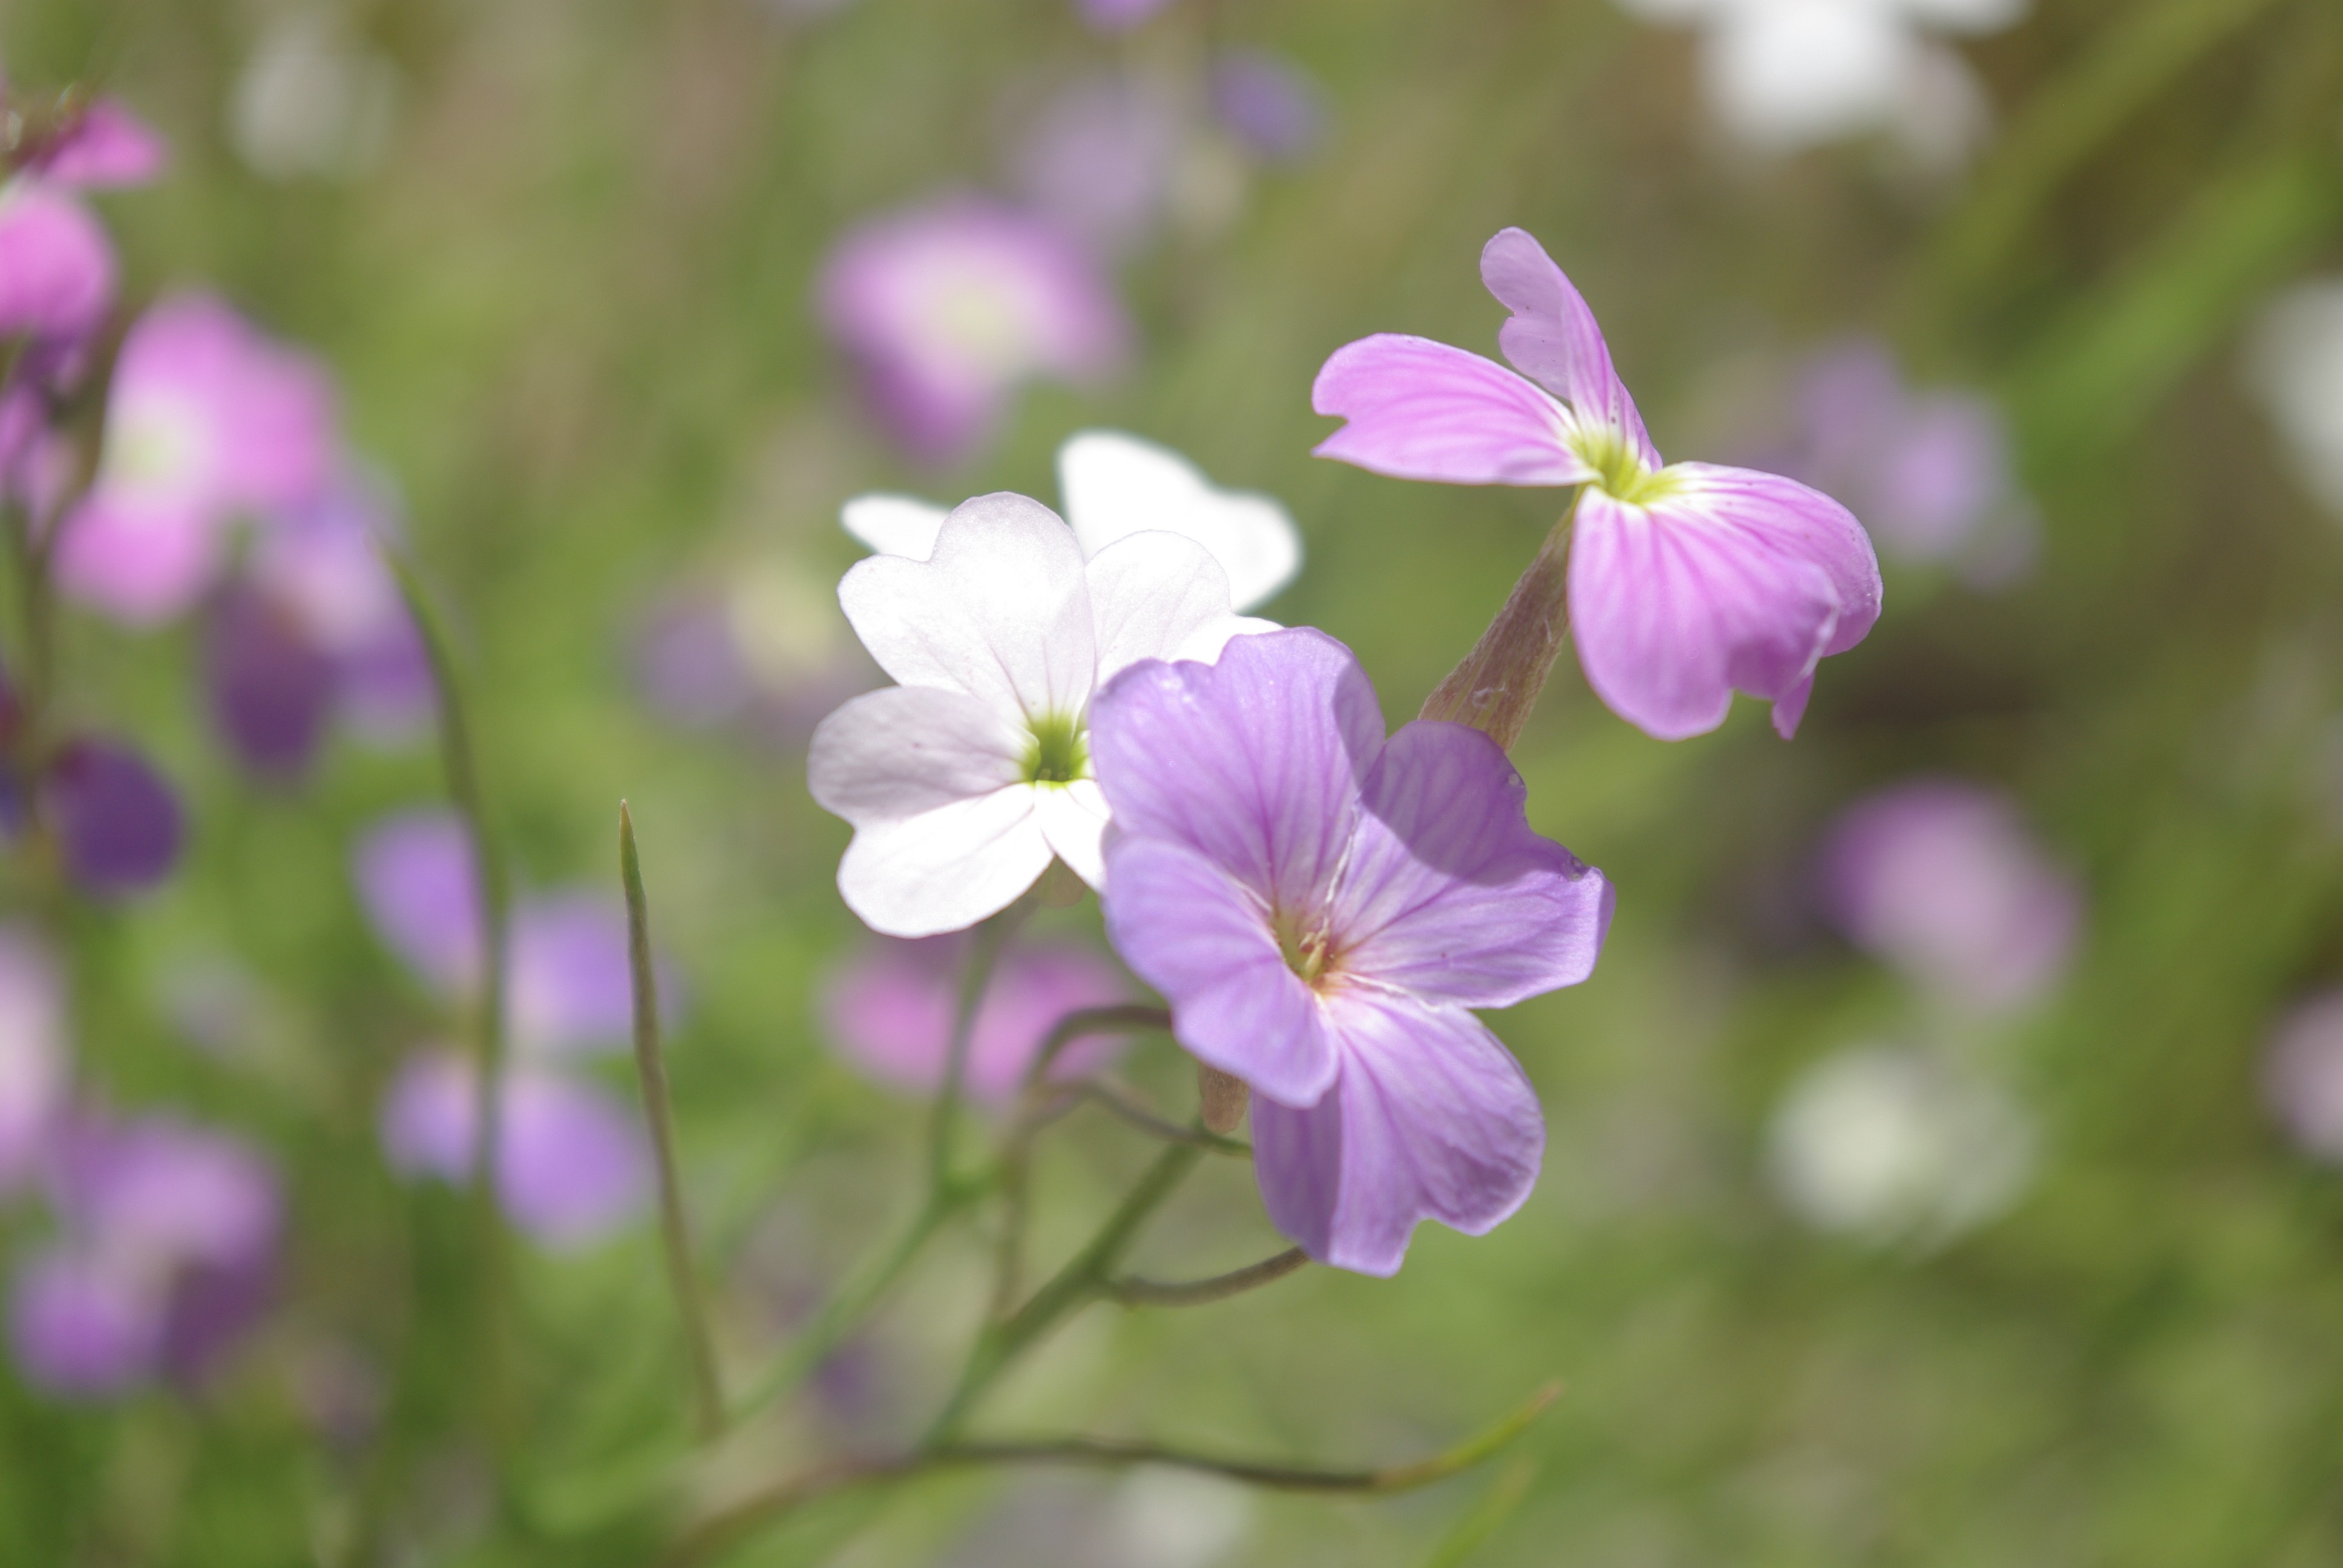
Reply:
x=1136, y=1292
x=1497, y=685
x=990, y=937
x=1083, y=1276
x=460, y=764
x=675, y=1229
x=1116, y=1099
x=728, y=1528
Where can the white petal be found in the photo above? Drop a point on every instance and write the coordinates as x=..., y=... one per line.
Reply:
x=1791, y=74
x=1001, y=612
x=1207, y=642
x=1152, y=592
x=1967, y=15
x=894, y=525
x=893, y=754
x=946, y=868
x=1114, y=485
x=1073, y=817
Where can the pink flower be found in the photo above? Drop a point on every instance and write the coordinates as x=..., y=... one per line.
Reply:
x=1323, y=908
x=206, y=420
x=947, y=308
x=1942, y=879
x=890, y=1012
x=56, y=266
x=31, y=1053
x=1686, y=581
x=2302, y=1076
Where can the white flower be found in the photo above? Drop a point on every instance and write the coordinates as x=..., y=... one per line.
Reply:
x=2294, y=361
x=1114, y=486
x=1892, y=1145
x=1782, y=74
x=963, y=780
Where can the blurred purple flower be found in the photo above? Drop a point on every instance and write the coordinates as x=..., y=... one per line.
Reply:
x=103, y=145
x=117, y=821
x=889, y=1013
x=568, y=986
x=1322, y=907
x=315, y=627
x=1268, y=104
x=56, y=266
x=1929, y=472
x=2302, y=1076
x=767, y=649
x=206, y=420
x=572, y=1164
x=168, y=1234
x=1118, y=15
x=1099, y=162
x=946, y=308
x=1941, y=878
x=1686, y=582
x=33, y=1065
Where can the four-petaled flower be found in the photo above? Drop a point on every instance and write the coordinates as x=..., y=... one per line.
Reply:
x=1687, y=581
x=1321, y=906
x=963, y=780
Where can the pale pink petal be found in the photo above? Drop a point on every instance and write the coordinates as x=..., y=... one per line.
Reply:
x=1181, y=752
x=1150, y=594
x=1801, y=521
x=56, y=266
x=1001, y=611
x=142, y=562
x=896, y=753
x=1448, y=894
x=1673, y=607
x=107, y=145
x=1430, y=1119
x=1190, y=931
x=1421, y=410
x=1553, y=340
x=945, y=869
x=894, y=525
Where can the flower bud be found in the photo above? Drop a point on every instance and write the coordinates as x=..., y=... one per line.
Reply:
x=1224, y=1097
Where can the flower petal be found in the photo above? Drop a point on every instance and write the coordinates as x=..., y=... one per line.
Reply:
x=1073, y=819
x=1252, y=762
x=1431, y=1119
x=1000, y=612
x=895, y=753
x=1673, y=606
x=1448, y=894
x=894, y=525
x=1115, y=484
x=945, y=869
x=1553, y=339
x=1151, y=593
x=1805, y=522
x=1190, y=931
x=1421, y=410
x=138, y=560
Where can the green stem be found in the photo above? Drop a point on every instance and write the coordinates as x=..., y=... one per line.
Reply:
x=1083, y=1276
x=651, y=1069
x=725, y=1528
x=1112, y=1097
x=990, y=936
x=458, y=760
x=1135, y=1293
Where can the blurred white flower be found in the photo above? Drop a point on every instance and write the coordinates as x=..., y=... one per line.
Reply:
x=2302, y=1076
x=312, y=101
x=1784, y=75
x=1894, y=1145
x=2294, y=361
x=1172, y=1519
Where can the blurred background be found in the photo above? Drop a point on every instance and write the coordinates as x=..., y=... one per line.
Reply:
x=1941, y=1162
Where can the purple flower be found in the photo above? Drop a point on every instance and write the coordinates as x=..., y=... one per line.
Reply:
x=415, y=876
x=1687, y=582
x=116, y=819
x=206, y=421
x=31, y=1053
x=890, y=1013
x=572, y=1161
x=1118, y=15
x=1942, y=879
x=1100, y=161
x=56, y=266
x=1322, y=907
x=315, y=627
x=2302, y=1076
x=946, y=307
x=1930, y=472
x=101, y=146
x=1269, y=105
x=168, y=1234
